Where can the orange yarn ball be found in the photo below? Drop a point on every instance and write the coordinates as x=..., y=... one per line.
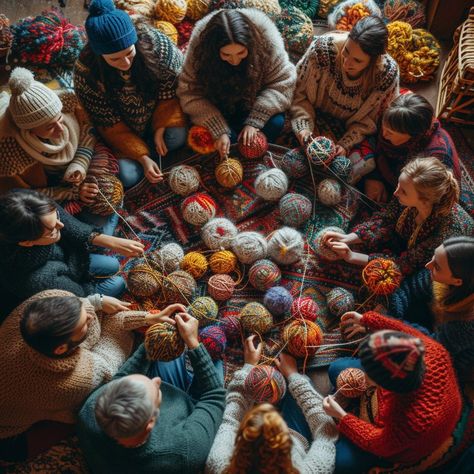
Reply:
x=351, y=382
x=200, y=140
x=382, y=276
x=302, y=338
x=229, y=173
x=223, y=261
x=163, y=342
x=221, y=287
x=194, y=263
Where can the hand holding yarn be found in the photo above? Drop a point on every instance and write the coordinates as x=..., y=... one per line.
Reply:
x=248, y=135
x=332, y=408
x=152, y=171
x=165, y=315
x=303, y=136
x=88, y=192
x=222, y=145
x=286, y=364
x=252, y=353
x=342, y=250
x=351, y=324
x=125, y=247
x=188, y=329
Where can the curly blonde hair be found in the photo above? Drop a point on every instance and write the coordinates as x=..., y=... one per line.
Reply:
x=263, y=444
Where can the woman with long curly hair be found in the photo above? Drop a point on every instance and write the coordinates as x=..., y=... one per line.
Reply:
x=236, y=77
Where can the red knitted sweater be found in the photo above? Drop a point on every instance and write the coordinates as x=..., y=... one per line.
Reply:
x=409, y=426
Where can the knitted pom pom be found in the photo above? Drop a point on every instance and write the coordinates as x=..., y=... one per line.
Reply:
x=294, y=163
x=197, y=9
x=249, y=247
x=271, y=185
x=178, y=287
x=21, y=79
x=198, y=208
x=302, y=338
x=204, y=309
x=342, y=167
x=184, y=180
x=329, y=192
x=304, y=307
x=219, y=233
x=321, y=151
x=263, y=274
x=200, y=140
x=110, y=196
x=286, y=246
x=167, y=258
x=339, y=301
x=170, y=10
x=168, y=29
x=99, y=7
x=265, y=384
x=195, y=263
x=229, y=173
x=231, y=326
x=221, y=287
x=295, y=209
x=351, y=382
x=163, y=342
x=382, y=276
x=143, y=280
x=278, y=300
x=223, y=261
x=321, y=249
x=256, y=150
x=214, y=340
x=255, y=318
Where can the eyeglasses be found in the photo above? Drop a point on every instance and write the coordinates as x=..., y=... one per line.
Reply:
x=50, y=234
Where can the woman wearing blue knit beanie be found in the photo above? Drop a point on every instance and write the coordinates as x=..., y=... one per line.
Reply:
x=126, y=79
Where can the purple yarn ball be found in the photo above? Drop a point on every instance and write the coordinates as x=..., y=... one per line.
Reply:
x=232, y=327
x=214, y=340
x=278, y=300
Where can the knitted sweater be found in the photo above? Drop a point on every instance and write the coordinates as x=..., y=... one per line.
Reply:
x=18, y=169
x=394, y=232
x=409, y=426
x=36, y=387
x=123, y=115
x=182, y=436
x=323, y=85
x=318, y=459
x=273, y=79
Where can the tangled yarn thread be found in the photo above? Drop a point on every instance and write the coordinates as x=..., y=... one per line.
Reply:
x=351, y=382
x=339, y=301
x=110, y=197
x=219, y=233
x=168, y=257
x=329, y=192
x=221, y=287
x=409, y=11
x=321, y=151
x=265, y=384
x=382, y=276
x=264, y=274
x=163, y=342
x=195, y=263
x=144, y=8
x=302, y=338
x=348, y=13
x=170, y=10
x=178, y=287
x=197, y=9
x=294, y=163
x=255, y=318
x=342, y=167
x=231, y=326
x=304, y=307
x=214, y=340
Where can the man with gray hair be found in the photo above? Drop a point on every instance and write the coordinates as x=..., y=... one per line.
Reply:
x=162, y=423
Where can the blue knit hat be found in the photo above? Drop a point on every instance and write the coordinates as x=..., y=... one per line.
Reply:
x=109, y=30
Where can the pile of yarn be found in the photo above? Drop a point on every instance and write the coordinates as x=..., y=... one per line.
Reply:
x=256, y=149
x=200, y=139
x=351, y=382
x=144, y=281
x=6, y=36
x=341, y=166
x=167, y=258
x=304, y=307
x=110, y=196
x=330, y=192
x=255, y=318
x=184, y=180
x=286, y=246
x=197, y=9
x=219, y=233
x=345, y=15
x=144, y=8
x=163, y=342
x=214, y=340
x=302, y=338
x=170, y=10
x=339, y=301
x=278, y=300
x=271, y=184
x=294, y=163
x=204, y=309
x=198, y=208
x=295, y=209
x=321, y=151
x=229, y=172
x=223, y=261
x=195, y=263
x=178, y=287
x=264, y=383
x=319, y=246
x=231, y=326
x=249, y=247
x=264, y=274
x=221, y=287
x=382, y=276
x=409, y=11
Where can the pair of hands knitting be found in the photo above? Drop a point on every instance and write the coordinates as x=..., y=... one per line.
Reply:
x=247, y=135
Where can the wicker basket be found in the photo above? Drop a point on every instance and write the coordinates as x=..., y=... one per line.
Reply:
x=456, y=91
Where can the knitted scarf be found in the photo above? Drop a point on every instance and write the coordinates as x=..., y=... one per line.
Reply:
x=462, y=310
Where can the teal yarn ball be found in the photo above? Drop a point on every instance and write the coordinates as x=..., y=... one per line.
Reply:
x=339, y=301
x=204, y=309
x=278, y=300
x=341, y=166
x=294, y=163
x=264, y=274
x=295, y=209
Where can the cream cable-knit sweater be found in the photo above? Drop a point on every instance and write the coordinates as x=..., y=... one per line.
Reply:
x=36, y=387
x=323, y=85
x=320, y=458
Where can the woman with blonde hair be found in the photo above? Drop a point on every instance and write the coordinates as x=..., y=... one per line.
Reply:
x=422, y=214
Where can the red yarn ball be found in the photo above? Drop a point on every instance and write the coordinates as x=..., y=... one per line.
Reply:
x=382, y=276
x=214, y=340
x=256, y=150
x=265, y=384
x=200, y=140
x=351, y=382
x=302, y=338
x=304, y=307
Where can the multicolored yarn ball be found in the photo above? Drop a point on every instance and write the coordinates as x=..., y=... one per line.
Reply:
x=295, y=209
x=184, y=180
x=229, y=173
x=144, y=281
x=194, y=263
x=197, y=9
x=171, y=10
x=321, y=151
x=345, y=15
x=168, y=257
x=319, y=246
x=286, y=246
x=178, y=287
x=214, y=340
x=351, y=382
x=198, y=208
x=264, y=274
x=409, y=11
x=339, y=301
x=382, y=276
x=204, y=309
x=110, y=196
x=163, y=342
x=219, y=233
x=144, y=8
x=6, y=35
x=256, y=150
x=278, y=300
x=330, y=192
x=304, y=307
x=265, y=384
x=168, y=29
x=221, y=287
x=185, y=28
x=302, y=338
x=249, y=247
x=231, y=326
x=255, y=318
x=342, y=167
x=223, y=261
x=294, y=163
x=271, y=185
x=200, y=139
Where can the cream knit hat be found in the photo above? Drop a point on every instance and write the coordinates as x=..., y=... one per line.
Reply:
x=31, y=104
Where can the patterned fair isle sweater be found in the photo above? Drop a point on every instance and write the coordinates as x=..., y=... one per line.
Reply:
x=36, y=387
x=409, y=426
x=319, y=458
x=323, y=85
x=123, y=116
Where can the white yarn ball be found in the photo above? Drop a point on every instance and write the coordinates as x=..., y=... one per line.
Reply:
x=169, y=257
x=271, y=185
x=330, y=192
x=219, y=233
x=184, y=180
x=249, y=246
x=321, y=249
x=286, y=246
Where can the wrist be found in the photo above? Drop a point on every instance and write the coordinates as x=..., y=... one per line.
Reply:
x=101, y=240
x=192, y=343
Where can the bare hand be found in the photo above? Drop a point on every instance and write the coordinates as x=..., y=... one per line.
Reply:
x=164, y=316
x=351, y=324
x=152, y=171
x=375, y=189
x=286, y=364
x=88, y=192
x=303, y=137
x=126, y=247
x=188, y=329
x=248, y=135
x=251, y=353
x=160, y=144
x=331, y=236
x=222, y=145
x=342, y=250
x=332, y=408
x=111, y=305
x=76, y=178
x=340, y=151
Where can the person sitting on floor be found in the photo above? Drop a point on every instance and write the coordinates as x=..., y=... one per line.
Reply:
x=237, y=78
x=160, y=424
x=423, y=212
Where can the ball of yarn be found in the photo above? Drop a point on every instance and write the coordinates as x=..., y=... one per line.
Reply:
x=271, y=185
x=382, y=276
x=345, y=15
x=184, y=180
x=168, y=29
x=231, y=326
x=339, y=301
x=351, y=382
x=229, y=173
x=302, y=338
x=321, y=249
x=267, y=6
x=265, y=384
x=409, y=11
x=204, y=309
x=200, y=140
x=295, y=209
x=286, y=246
x=249, y=247
x=294, y=163
x=308, y=7
x=219, y=233
x=321, y=151
x=255, y=318
x=223, y=261
x=342, y=167
x=255, y=150
x=168, y=257
x=278, y=300
x=214, y=340
x=170, y=10
x=195, y=263
x=221, y=287
x=178, y=287
x=185, y=28
x=144, y=8
x=163, y=342
x=264, y=274
x=329, y=192
x=304, y=307
x=198, y=208
x=197, y=9
x=326, y=6
x=6, y=36
x=143, y=280
x=110, y=196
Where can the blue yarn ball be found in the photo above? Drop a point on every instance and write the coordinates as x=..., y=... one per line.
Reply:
x=278, y=300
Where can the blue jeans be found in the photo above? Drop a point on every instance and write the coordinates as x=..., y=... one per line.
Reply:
x=101, y=267
x=107, y=223
x=272, y=128
x=294, y=417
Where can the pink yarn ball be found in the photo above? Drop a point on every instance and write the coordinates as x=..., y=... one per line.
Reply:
x=304, y=307
x=221, y=287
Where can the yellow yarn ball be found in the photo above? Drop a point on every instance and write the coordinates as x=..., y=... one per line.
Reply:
x=223, y=261
x=229, y=173
x=167, y=29
x=197, y=9
x=194, y=263
x=171, y=10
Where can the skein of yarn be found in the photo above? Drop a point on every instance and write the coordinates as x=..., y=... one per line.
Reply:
x=219, y=233
x=167, y=258
x=144, y=281
x=163, y=342
x=204, y=309
x=170, y=10
x=302, y=338
x=265, y=384
x=256, y=150
x=264, y=274
x=229, y=173
x=321, y=249
x=221, y=287
x=178, y=287
x=110, y=196
x=198, y=208
x=223, y=261
x=382, y=276
x=249, y=247
x=255, y=318
x=321, y=151
x=339, y=301
x=351, y=382
x=286, y=246
x=184, y=180
x=330, y=192
x=271, y=185
x=294, y=163
x=195, y=263
x=214, y=340
x=304, y=307
x=295, y=209
x=278, y=300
